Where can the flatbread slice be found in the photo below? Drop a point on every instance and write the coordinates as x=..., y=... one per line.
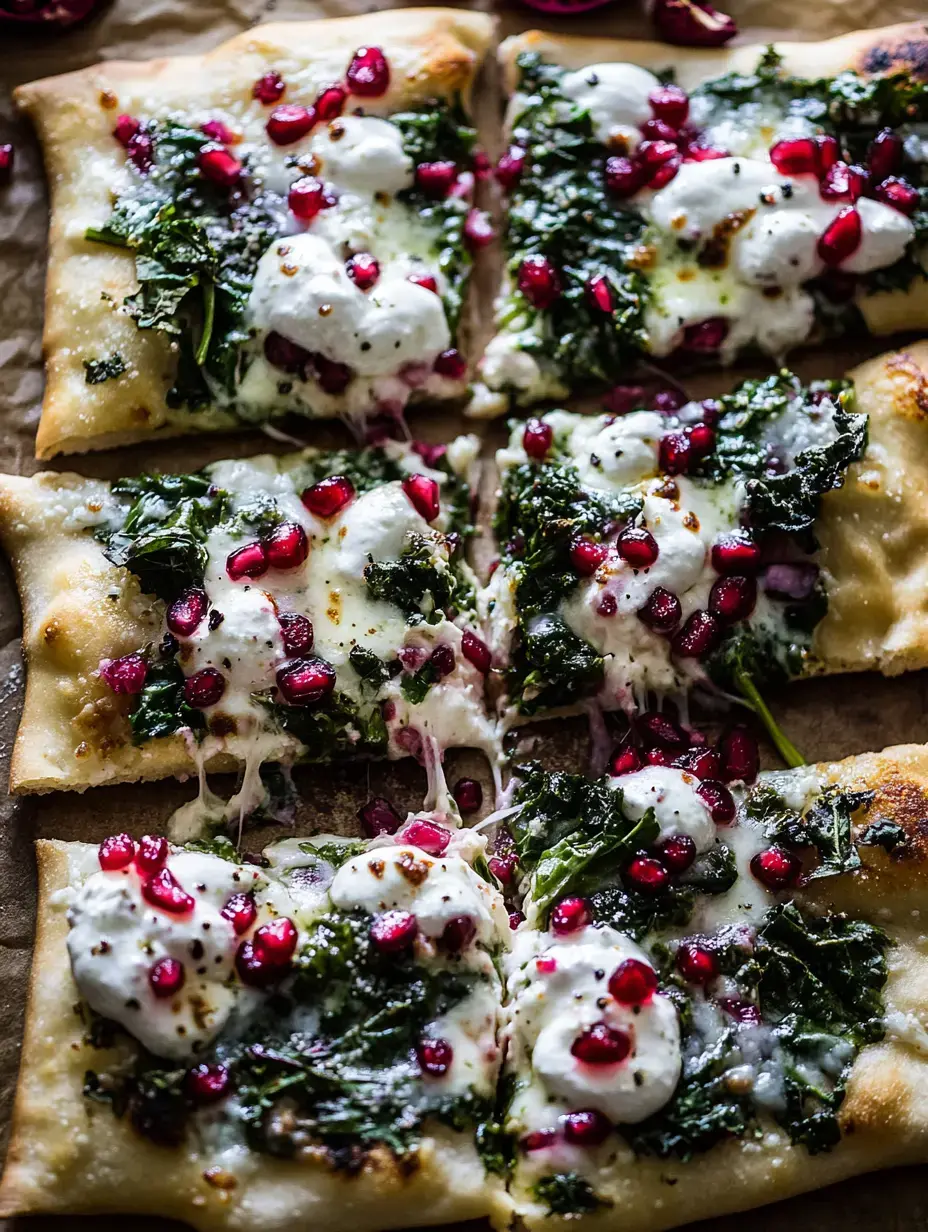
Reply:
x=762, y=201
x=182, y=258
x=220, y=1130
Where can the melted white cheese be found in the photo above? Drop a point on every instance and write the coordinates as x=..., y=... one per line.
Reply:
x=616, y=96
x=672, y=795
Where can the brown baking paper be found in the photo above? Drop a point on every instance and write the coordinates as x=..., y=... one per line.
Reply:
x=826, y=718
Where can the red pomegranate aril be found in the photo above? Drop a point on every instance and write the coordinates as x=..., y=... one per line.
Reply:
x=776, y=868
x=843, y=183
x=718, y=800
x=329, y=496
x=249, y=561
x=701, y=762
x=141, y=151
x=283, y=353
x=515, y=919
x=538, y=1140
x=570, y=915
x=700, y=634
x=206, y=1083
x=478, y=230
x=306, y=681
x=884, y=154
x=394, y=931
x=287, y=546
x=476, y=651
x=510, y=167
x=457, y=934
x=368, y=74
x=586, y=556
x=443, y=660
x=665, y=171
x=623, y=399
x=297, y=632
x=742, y=1011
x=692, y=23
x=219, y=166
x=450, y=363
x=379, y=816
x=269, y=88
x=116, y=852
x=623, y=176
x=740, y=756
x=702, y=439
x=162, y=890
x=624, y=761
x=186, y=612
x=675, y=453
x=659, y=729
x=735, y=552
x=428, y=836
x=677, y=853
x=637, y=547
x=330, y=103
x=468, y=795
x=253, y=970
x=306, y=197
x=662, y=611
x=586, y=1127
x=654, y=154
x=659, y=757
x=899, y=194
x=436, y=179
x=126, y=128
x=659, y=130
x=670, y=103
x=424, y=495
x=503, y=868
x=795, y=156
x=538, y=281
x=428, y=283
x=599, y=293
x=166, y=977
x=537, y=437
x=633, y=982
x=841, y=238
x=667, y=401
x=827, y=152
x=646, y=875
x=152, y=853
x=696, y=964
x=289, y=123
x=733, y=598
x=607, y=604
x=706, y=337
x=434, y=1057
x=240, y=910
x=275, y=942
x=126, y=675
x=601, y=1044
x=704, y=154
x=217, y=131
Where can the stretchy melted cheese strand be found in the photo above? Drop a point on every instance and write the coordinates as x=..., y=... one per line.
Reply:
x=315, y=606
x=283, y=224
x=767, y=200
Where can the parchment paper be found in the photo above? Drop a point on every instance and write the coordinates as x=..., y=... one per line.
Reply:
x=827, y=719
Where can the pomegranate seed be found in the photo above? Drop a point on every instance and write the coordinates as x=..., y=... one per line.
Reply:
x=632, y=982
x=186, y=612
x=733, y=598
x=363, y=270
x=692, y=23
x=434, y=1057
x=217, y=131
x=431, y=455
x=468, y=795
x=740, y=756
x=601, y=1044
x=775, y=868
x=218, y=165
x=329, y=496
x=704, y=154
x=843, y=183
x=116, y=852
x=795, y=156
x=599, y=293
x=703, y=763
x=428, y=836
x=537, y=438
x=368, y=74
x=586, y=556
x=665, y=172
x=269, y=88
x=126, y=675
x=289, y=123
x=428, y=283
x=240, y=911
x=478, y=229
x=702, y=439
x=607, y=605
x=515, y=919
x=166, y=977
x=637, y=547
x=306, y=198
x=623, y=177
x=162, y=890
x=676, y=454
x=424, y=495
x=706, y=337
x=718, y=800
x=671, y=104
x=841, y=238
x=275, y=942
x=442, y=659
x=141, y=152
x=394, y=931
x=476, y=651
x=659, y=757
x=625, y=761
x=899, y=194
x=457, y=934
x=379, y=816
x=126, y=128
x=538, y=1140
x=570, y=915
x=330, y=103
x=696, y=964
x=283, y=353
x=677, y=853
x=742, y=1011
x=450, y=363
x=333, y=377
x=436, y=179
x=510, y=167
x=306, y=681
x=827, y=153
x=790, y=581
x=700, y=635
x=646, y=875
x=287, y=546
x=152, y=854
x=538, y=281
x=586, y=1127
x=296, y=631
x=884, y=154
x=622, y=399
x=249, y=561
x=735, y=552
x=254, y=970
x=662, y=611
x=205, y=1083
x=503, y=868
x=660, y=130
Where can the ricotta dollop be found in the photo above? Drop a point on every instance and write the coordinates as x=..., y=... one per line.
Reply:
x=671, y=793
x=615, y=95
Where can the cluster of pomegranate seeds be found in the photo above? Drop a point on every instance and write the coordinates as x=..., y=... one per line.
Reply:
x=601, y=1044
x=632, y=982
x=586, y=556
x=269, y=88
x=368, y=73
x=434, y=1057
x=428, y=836
x=379, y=816
x=570, y=915
x=329, y=496
x=468, y=795
x=289, y=123
x=436, y=179
x=537, y=437
x=164, y=891
x=206, y=1083
x=586, y=1127
x=637, y=547
x=166, y=977
x=394, y=931
x=152, y=853
x=450, y=363
x=696, y=964
x=476, y=651
x=306, y=681
x=457, y=934
x=692, y=23
x=424, y=495
x=126, y=675
x=240, y=910
x=646, y=874
x=776, y=868
x=306, y=198
x=116, y=852
x=219, y=166
x=297, y=632
x=538, y=281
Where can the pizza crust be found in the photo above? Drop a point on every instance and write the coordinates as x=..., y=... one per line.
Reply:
x=431, y=52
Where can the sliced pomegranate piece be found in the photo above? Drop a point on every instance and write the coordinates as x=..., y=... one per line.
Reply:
x=428, y=836
x=586, y=556
x=538, y=281
x=637, y=547
x=735, y=552
x=537, y=438
x=116, y=852
x=601, y=1044
x=662, y=611
x=510, y=167
x=570, y=915
x=186, y=612
x=718, y=800
x=152, y=853
x=586, y=1127
x=624, y=761
x=379, y=816
x=249, y=561
x=269, y=88
x=599, y=294
x=306, y=681
x=305, y=199
x=287, y=546
x=166, y=977
x=289, y=123
x=740, y=756
x=436, y=179
x=696, y=964
x=692, y=23
x=275, y=942
x=394, y=931
x=206, y=1083
x=700, y=634
x=646, y=875
x=424, y=495
x=330, y=103
x=329, y=496
x=478, y=230
x=671, y=104
x=219, y=166
x=776, y=868
x=633, y=982
x=677, y=853
x=624, y=177
x=368, y=74
x=468, y=795
x=126, y=675
x=476, y=651
x=841, y=238
x=733, y=598
x=240, y=910
x=884, y=155
x=434, y=1057
x=162, y=890
x=297, y=633
x=898, y=193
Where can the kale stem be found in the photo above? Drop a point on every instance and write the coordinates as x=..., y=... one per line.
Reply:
x=783, y=744
x=209, y=313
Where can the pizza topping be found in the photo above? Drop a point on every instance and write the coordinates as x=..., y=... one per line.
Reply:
x=204, y=688
x=187, y=611
x=368, y=74
x=116, y=852
x=166, y=977
x=733, y=598
x=677, y=803
x=241, y=911
x=696, y=964
x=287, y=546
x=269, y=88
x=152, y=853
x=306, y=681
x=289, y=123
x=330, y=102
x=126, y=675
x=569, y=915
x=329, y=496
x=434, y=1057
x=423, y=494
x=249, y=561
x=468, y=796
x=206, y=1084
x=740, y=756
x=693, y=23
x=219, y=166
x=538, y=281
x=306, y=197
x=776, y=868
x=379, y=816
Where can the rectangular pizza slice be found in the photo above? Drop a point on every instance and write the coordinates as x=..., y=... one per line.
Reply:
x=719, y=544
x=309, y=1040
x=282, y=224
x=313, y=606
x=715, y=1001
x=705, y=203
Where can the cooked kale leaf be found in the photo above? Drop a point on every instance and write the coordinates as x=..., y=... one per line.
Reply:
x=420, y=582
x=568, y=1194
x=161, y=709
x=333, y=728
x=826, y=826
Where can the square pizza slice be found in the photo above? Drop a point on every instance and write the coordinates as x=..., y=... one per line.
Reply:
x=313, y=606
x=716, y=545
x=703, y=1017
x=306, y=1040
x=282, y=224
x=704, y=204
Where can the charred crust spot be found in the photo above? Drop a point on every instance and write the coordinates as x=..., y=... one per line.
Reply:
x=905, y=804
x=910, y=54
x=108, y=100
x=911, y=401
x=415, y=871
x=377, y=868
x=715, y=252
